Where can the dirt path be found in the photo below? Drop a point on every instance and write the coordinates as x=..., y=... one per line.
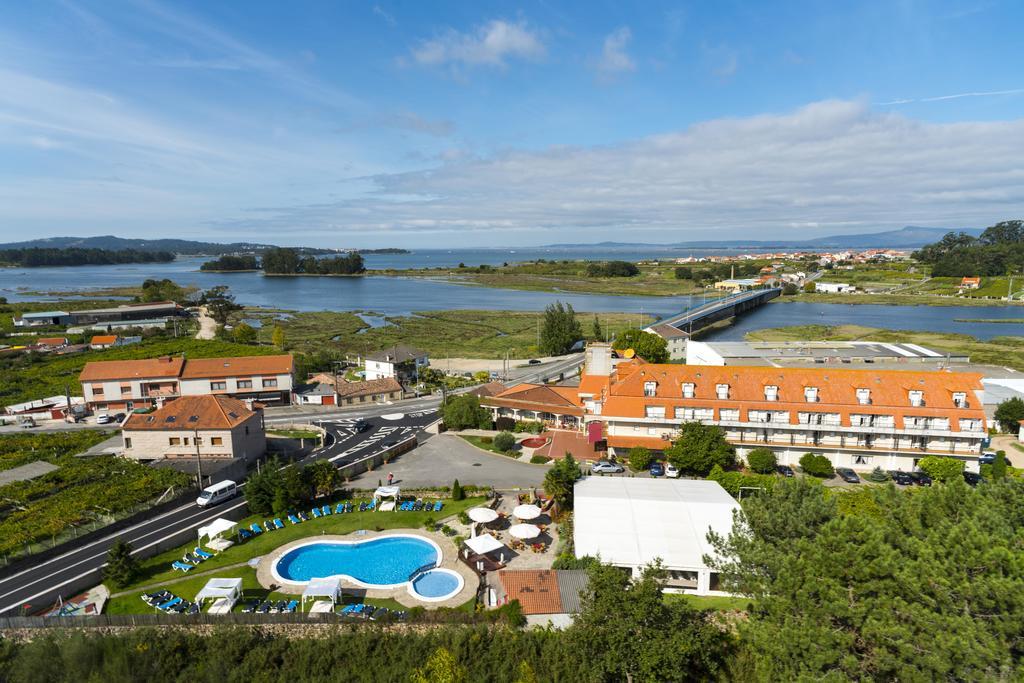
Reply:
x=207, y=325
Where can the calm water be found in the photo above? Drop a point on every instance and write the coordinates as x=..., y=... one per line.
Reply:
x=380, y=561
x=401, y=296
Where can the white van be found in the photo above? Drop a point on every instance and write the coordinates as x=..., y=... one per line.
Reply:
x=217, y=493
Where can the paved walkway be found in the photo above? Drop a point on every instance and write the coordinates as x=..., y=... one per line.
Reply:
x=207, y=325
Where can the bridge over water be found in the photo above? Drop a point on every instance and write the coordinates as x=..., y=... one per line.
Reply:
x=678, y=328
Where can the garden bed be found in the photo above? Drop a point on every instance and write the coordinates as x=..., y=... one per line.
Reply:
x=534, y=442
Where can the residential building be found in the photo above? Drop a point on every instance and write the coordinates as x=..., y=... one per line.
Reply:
x=856, y=417
x=130, y=384
x=51, y=343
x=834, y=288
x=104, y=341
x=196, y=427
x=631, y=522
x=555, y=406
x=381, y=390
x=970, y=283
x=737, y=285
x=400, y=362
x=546, y=596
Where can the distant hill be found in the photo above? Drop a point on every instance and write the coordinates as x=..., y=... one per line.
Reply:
x=112, y=243
x=909, y=237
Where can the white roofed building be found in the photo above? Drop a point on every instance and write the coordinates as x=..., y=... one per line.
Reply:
x=630, y=523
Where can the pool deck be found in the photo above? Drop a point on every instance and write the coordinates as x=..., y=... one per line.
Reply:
x=402, y=595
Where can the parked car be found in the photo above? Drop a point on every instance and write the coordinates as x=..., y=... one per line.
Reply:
x=361, y=425
x=902, y=478
x=533, y=361
x=671, y=471
x=27, y=422
x=118, y=418
x=921, y=479
x=847, y=475
x=987, y=458
x=103, y=419
x=785, y=470
x=973, y=478
x=605, y=467
x=657, y=469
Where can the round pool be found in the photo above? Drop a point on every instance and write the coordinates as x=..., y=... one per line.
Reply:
x=436, y=584
x=383, y=562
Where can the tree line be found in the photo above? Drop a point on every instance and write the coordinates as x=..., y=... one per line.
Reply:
x=232, y=262
x=999, y=250
x=36, y=257
x=285, y=261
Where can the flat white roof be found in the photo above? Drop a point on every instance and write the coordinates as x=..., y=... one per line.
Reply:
x=632, y=522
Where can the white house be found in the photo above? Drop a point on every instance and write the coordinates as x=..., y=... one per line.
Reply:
x=834, y=288
x=400, y=362
x=631, y=523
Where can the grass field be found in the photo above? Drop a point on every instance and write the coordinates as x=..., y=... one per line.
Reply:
x=157, y=570
x=28, y=377
x=713, y=602
x=1001, y=351
x=466, y=334
x=490, y=447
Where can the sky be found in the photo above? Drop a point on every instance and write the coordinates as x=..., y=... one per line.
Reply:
x=363, y=124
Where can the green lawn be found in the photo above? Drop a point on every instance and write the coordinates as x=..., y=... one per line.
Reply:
x=158, y=569
x=483, y=445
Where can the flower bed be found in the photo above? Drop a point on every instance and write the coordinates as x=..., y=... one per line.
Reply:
x=534, y=442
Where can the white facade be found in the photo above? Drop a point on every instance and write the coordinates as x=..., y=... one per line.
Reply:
x=631, y=522
x=236, y=385
x=834, y=288
x=384, y=369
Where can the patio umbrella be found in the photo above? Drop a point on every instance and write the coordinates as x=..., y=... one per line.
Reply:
x=482, y=515
x=524, y=531
x=526, y=512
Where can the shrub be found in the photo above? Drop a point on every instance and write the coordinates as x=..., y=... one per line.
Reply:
x=999, y=466
x=447, y=530
x=878, y=475
x=457, y=492
x=505, y=441
x=540, y=460
x=639, y=458
x=122, y=567
x=531, y=426
x=429, y=523
x=464, y=518
x=941, y=469
x=816, y=465
x=487, y=439
x=762, y=460
x=735, y=482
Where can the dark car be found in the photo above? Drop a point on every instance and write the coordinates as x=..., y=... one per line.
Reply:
x=534, y=361
x=847, y=475
x=786, y=471
x=657, y=469
x=902, y=478
x=118, y=417
x=973, y=478
x=361, y=425
x=921, y=479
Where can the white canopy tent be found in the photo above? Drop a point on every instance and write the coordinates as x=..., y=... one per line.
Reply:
x=483, y=544
x=224, y=593
x=526, y=512
x=215, y=531
x=524, y=531
x=382, y=492
x=329, y=587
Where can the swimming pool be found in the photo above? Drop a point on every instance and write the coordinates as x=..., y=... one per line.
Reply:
x=436, y=584
x=383, y=562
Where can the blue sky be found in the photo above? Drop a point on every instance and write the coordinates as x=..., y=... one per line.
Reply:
x=486, y=123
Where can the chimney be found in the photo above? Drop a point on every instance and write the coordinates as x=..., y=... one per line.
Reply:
x=599, y=359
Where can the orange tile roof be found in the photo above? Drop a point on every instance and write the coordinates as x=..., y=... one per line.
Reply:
x=240, y=366
x=971, y=281
x=536, y=590
x=165, y=367
x=192, y=412
x=592, y=384
x=370, y=387
x=51, y=341
x=559, y=400
x=103, y=339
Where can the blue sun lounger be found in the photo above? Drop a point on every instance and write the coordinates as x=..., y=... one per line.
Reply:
x=202, y=553
x=278, y=524
x=291, y=606
x=351, y=609
x=437, y=506
x=169, y=604
x=181, y=566
x=339, y=508
x=244, y=534
x=315, y=512
x=293, y=519
x=256, y=528
x=325, y=510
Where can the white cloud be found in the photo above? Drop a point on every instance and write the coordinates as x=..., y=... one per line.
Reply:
x=488, y=45
x=827, y=165
x=388, y=18
x=956, y=96
x=614, y=57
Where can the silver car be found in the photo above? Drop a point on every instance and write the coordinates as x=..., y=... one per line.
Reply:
x=605, y=467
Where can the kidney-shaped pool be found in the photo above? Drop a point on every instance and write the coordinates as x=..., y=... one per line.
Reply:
x=384, y=562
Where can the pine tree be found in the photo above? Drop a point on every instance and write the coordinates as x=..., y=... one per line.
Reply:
x=122, y=567
x=598, y=335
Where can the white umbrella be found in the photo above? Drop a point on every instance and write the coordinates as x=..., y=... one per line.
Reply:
x=483, y=515
x=524, y=531
x=526, y=512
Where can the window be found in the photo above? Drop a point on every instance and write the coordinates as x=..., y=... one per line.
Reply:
x=722, y=391
x=730, y=414
x=939, y=423
x=218, y=386
x=126, y=389
x=97, y=390
x=650, y=388
x=184, y=440
x=692, y=414
x=864, y=396
x=655, y=411
x=960, y=399
x=771, y=393
x=811, y=394
x=757, y=416
x=688, y=388
x=245, y=384
x=199, y=441
x=174, y=441
x=127, y=442
x=269, y=383
x=216, y=441
x=914, y=422
x=970, y=425
x=916, y=397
